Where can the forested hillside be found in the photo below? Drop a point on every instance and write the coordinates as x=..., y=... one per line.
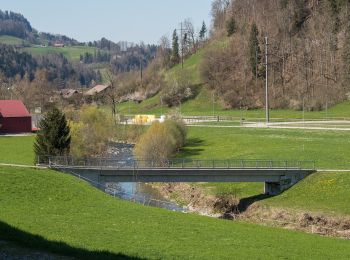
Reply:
x=308, y=52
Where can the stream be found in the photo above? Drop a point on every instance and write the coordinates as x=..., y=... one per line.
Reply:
x=138, y=192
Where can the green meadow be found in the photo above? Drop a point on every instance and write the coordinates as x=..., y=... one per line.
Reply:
x=58, y=213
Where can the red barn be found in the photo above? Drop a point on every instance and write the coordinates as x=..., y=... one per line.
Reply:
x=14, y=117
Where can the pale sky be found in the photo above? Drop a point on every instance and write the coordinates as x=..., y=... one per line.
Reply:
x=117, y=20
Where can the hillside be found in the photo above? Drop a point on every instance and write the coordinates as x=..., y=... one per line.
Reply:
x=308, y=57
x=308, y=53
x=36, y=214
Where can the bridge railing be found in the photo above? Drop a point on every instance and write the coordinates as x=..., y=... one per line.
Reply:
x=109, y=162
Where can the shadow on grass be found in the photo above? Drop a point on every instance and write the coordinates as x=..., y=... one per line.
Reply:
x=244, y=203
x=190, y=147
x=37, y=242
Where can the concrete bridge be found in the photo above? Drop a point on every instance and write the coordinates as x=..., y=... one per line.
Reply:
x=277, y=175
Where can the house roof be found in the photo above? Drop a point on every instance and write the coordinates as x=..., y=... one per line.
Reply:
x=97, y=89
x=13, y=108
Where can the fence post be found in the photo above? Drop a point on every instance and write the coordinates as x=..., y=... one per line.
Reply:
x=183, y=163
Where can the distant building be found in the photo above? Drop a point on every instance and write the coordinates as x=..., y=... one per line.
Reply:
x=58, y=45
x=14, y=117
x=68, y=93
x=96, y=90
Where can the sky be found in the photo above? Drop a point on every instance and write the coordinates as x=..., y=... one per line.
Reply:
x=117, y=20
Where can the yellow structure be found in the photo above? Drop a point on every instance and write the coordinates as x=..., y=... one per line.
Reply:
x=144, y=119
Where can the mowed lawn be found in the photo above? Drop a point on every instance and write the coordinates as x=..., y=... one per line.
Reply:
x=329, y=149
x=60, y=208
x=17, y=149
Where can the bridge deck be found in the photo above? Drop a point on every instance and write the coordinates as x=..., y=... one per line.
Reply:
x=276, y=174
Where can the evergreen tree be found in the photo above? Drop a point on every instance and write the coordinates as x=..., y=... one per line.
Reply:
x=203, y=31
x=231, y=27
x=175, y=55
x=254, y=50
x=54, y=135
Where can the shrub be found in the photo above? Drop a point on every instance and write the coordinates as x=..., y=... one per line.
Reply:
x=178, y=89
x=91, y=132
x=161, y=141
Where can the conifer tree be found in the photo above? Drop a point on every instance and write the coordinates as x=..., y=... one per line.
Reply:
x=203, y=31
x=254, y=50
x=231, y=27
x=54, y=136
x=175, y=55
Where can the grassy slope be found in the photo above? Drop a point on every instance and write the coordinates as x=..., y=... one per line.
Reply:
x=58, y=207
x=70, y=52
x=323, y=192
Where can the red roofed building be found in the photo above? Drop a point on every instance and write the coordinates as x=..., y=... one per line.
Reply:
x=14, y=117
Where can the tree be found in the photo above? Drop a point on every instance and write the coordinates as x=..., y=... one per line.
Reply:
x=203, y=32
x=346, y=55
x=231, y=26
x=254, y=50
x=175, y=54
x=218, y=11
x=54, y=136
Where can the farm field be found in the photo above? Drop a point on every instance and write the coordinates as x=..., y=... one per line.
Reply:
x=10, y=40
x=70, y=52
x=124, y=229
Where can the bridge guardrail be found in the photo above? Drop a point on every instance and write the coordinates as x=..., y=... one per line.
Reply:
x=108, y=162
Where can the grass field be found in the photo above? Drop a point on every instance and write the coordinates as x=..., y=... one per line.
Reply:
x=329, y=149
x=17, y=150
x=70, y=52
x=59, y=213
x=10, y=40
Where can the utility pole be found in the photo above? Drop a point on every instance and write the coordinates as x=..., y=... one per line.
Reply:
x=267, y=83
x=182, y=30
x=182, y=48
x=141, y=74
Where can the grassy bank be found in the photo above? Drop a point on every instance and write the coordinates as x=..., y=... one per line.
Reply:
x=321, y=192
x=64, y=215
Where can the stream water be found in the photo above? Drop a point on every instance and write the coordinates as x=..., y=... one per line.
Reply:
x=137, y=192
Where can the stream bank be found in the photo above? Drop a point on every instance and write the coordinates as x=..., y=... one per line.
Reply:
x=228, y=207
